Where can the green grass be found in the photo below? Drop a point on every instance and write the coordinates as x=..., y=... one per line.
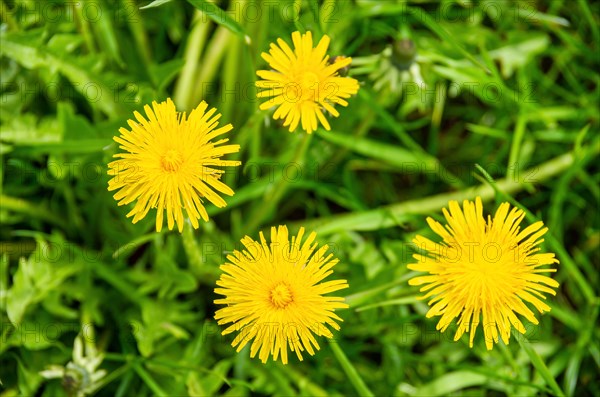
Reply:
x=509, y=113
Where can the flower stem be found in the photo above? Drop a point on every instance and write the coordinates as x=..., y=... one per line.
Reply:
x=148, y=380
x=538, y=363
x=22, y=206
x=513, y=158
x=193, y=50
x=272, y=198
x=138, y=31
x=213, y=55
x=393, y=214
x=351, y=373
x=194, y=254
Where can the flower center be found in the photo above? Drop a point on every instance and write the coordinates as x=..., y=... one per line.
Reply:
x=310, y=86
x=281, y=296
x=171, y=161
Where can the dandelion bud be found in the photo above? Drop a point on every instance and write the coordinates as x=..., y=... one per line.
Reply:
x=404, y=53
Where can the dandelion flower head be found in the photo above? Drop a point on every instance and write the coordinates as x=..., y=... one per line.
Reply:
x=275, y=295
x=304, y=82
x=169, y=164
x=484, y=271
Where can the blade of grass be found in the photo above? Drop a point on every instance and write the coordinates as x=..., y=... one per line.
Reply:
x=278, y=190
x=213, y=55
x=155, y=3
x=27, y=50
x=517, y=139
x=185, y=83
x=351, y=373
x=132, y=245
x=136, y=25
x=24, y=207
x=193, y=252
x=112, y=277
x=361, y=297
x=148, y=380
x=388, y=216
x=83, y=24
x=394, y=155
x=407, y=140
x=220, y=17
x=392, y=302
x=70, y=147
x=538, y=363
x=450, y=383
x=572, y=372
x=420, y=15
x=589, y=16
x=561, y=193
x=105, y=31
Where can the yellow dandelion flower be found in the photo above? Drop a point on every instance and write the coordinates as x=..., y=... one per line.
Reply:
x=169, y=163
x=274, y=295
x=484, y=269
x=304, y=82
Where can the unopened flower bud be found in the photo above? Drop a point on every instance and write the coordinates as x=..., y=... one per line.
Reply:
x=404, y=53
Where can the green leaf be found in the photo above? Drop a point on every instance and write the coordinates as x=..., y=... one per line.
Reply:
x=161, y=319
x=425, y=19
x=449, y=383
x=538, y=363
x=29, y=379
x=392, y=302
x=213, y=381
x=80, y=146
x=108, y=38
x=164, y=73
x=74, y=126
x=3, y=279
x=514, y=56
x=220, y=17
x=155, y=3
x=29, y=51
x=36, y=277
x=21, y=294
x=403, y=159
x=350, y=371
x=28, y=129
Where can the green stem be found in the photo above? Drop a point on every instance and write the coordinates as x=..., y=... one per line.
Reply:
x=110, y=276
x=436, y=117
x=212, y=58
x=229, y=77
x=515, y=148
x=538, y=363
x=112, y=376
x=135, y=23
x=359, y=132
x=589, y=16
x=148, y=380
x=272, y=199
x=351, y=373
x=407, y=140
x=194, y=253
x=183, y=89
x=21, y=206
x=391, y=215
x=83, y=22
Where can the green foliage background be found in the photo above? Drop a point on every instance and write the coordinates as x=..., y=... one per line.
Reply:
x=511, y=86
